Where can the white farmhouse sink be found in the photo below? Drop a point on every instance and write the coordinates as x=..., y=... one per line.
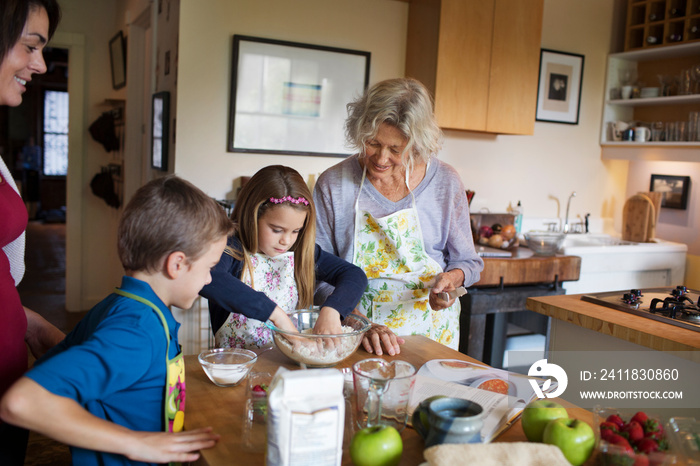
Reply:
x=610, y=264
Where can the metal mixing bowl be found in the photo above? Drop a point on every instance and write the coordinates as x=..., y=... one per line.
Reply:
x=544, y=243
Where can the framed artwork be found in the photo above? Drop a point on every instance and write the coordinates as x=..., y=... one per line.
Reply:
x=674, y=188
x=117, y=58
x=559, y=87
x=290, y=98
x=159, y=130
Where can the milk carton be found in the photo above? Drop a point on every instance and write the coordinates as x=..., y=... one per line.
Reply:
x=306, y=418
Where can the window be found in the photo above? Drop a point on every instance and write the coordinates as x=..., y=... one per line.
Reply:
x=55, y=133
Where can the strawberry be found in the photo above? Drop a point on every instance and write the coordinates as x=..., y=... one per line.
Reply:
x=615, y=419
x=260, y=388
x=621, y=442
x=656, y=435
x=640, y=417
x=647, y=445
x=606, y=434
x=609, y=425
x=634, y=431
x=652, y=425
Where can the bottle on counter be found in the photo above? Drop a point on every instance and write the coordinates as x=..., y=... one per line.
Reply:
x=518, y=222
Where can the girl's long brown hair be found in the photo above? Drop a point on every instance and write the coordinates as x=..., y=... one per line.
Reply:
x=253, y=201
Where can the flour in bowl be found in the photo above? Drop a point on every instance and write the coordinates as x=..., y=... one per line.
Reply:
x=316, y=352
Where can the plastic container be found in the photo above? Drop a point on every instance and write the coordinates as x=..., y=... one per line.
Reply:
x=608, y=454
x=684, y=438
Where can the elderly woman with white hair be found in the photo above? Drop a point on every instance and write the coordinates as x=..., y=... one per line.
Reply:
x=400, y=214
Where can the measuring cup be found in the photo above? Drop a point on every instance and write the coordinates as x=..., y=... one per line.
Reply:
x=382, y=391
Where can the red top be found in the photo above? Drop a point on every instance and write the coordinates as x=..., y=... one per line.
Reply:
x=13, y=322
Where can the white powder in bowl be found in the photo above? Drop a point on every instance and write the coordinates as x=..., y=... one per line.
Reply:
x=226, y=375
x=316, y=352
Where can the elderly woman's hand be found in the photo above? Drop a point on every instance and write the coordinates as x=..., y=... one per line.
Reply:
x=445, y=282
x=378, y=336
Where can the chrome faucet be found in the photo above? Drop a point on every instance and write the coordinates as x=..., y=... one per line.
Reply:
x=566, y=220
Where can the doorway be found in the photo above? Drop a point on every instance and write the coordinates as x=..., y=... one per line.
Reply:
x=34, y=140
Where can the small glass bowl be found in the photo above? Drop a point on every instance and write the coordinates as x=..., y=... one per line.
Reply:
x=227, y=367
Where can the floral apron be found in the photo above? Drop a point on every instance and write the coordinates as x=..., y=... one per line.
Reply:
x=174, y=400
x=273, y=276
x=391, y=252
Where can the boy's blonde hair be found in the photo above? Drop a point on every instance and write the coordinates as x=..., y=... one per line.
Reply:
x=277, y=181
x=166, y=215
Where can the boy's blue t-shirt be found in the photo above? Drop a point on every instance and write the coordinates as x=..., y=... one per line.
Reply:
x=114, y=364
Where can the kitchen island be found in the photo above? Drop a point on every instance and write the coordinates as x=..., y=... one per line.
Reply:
x=224, y=408
x=577, y=324
x=499, y=297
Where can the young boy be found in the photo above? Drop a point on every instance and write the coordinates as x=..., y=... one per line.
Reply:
x=114, y=388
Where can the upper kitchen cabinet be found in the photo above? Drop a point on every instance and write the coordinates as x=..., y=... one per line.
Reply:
x=480, y=59
x=663, y=70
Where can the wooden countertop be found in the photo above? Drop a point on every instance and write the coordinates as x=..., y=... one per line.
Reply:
x=629, y=327
x=224, y=408
x=524, y=268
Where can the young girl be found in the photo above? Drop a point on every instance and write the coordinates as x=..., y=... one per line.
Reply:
x=271, y=264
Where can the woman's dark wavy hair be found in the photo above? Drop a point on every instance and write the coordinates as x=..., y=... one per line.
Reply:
x=13, y=18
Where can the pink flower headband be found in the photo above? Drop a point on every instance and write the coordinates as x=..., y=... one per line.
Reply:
x=298, y=200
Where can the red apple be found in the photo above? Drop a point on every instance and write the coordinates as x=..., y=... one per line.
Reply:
x=485, y=231
x=537, y=414
x=574, y=437
x=376, y=446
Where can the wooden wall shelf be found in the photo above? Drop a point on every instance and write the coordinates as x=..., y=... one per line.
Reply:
x=655, y=23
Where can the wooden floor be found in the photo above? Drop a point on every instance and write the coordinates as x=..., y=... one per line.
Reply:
x=43, y=290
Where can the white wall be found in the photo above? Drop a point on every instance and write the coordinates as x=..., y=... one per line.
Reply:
x=542, y=170
x=204, y=78
x=557, y=160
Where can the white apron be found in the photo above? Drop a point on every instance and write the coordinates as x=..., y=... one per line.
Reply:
x=274, y=276
x=391, y=252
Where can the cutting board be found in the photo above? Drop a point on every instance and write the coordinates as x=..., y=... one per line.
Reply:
x=638, y=219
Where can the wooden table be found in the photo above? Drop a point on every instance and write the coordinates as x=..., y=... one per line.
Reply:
x=223, y=408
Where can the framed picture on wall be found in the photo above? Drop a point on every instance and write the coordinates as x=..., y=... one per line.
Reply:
x=117, y=58
x=559, y=87
x=290, y=98
x=160, y=130
x=674, y=189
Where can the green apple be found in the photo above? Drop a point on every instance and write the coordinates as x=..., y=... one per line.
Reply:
x=574, y=437
x=537, y=414
x=376, y=446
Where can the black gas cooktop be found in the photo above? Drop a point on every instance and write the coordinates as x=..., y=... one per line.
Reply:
x=673, y=305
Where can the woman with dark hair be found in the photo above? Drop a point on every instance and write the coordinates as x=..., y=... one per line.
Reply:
x=25, y=28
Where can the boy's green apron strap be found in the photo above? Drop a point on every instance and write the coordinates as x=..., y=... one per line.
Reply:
x=174, y=400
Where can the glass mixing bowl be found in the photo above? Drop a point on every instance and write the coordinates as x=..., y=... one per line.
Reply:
x=310, y=350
